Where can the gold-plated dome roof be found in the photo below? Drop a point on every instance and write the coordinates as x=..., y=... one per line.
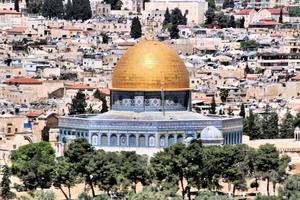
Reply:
x=150, y=66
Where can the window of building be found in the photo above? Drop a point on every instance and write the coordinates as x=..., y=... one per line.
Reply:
x=151, y=141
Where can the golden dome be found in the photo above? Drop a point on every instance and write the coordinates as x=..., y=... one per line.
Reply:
x=150, y=66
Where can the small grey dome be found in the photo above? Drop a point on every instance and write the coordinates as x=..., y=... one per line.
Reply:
x=211, y=132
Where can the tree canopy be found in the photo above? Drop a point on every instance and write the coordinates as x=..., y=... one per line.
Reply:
x=34, y=165
x=79, y=104
x=136, y=28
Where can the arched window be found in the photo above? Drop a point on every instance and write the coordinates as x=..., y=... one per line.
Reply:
x=142, y=141
x=132, y=140
x=151, y=141
x=104, y=140
x=95, y=139
x=113, y=140
x=123, y=140
x=179, y=138
x=170, y=140
x=162, y=141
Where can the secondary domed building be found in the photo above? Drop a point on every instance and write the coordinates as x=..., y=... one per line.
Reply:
x=150, y=107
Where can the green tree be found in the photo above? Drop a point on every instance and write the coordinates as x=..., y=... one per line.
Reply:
x=249, y=45
x=207, y=195
x=231, y=22
x=133, y=168
x=177, y=17
x=69, y=10
x=102, y=171
x=102, y=97
x=115, y=4
x=105, y=38
x=269, y=124
x=167, y=19
x=267, y=160
x=252, y=129
x=287, y=126
x=78, y=104
x=242, y=22
x=64, y=176
x=242, y=111
x=53, y=8
x=297, y=120
x=34, y=6
x=136, y=28
x=228, y=4
x=81, y=10
x=16, y=5
x=169, y=166
x=5, y=184
x=174, y=31
x=267, y=198
x=211, y=4
x=213, y=106
x=291, y=187
x=245, y=4
x=79, y=154
x=210, y=16
x=223, y=95
x=280, y=20
x=34, y=165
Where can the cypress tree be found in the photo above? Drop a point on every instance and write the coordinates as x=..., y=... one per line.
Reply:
x=232, y=22
x=136, y=28
x=167, y=19
x=213, y=106
x=78, y=104
x=242, y=23
x=5, y=184
x=17, y=8
x=81, y=10
x=280, y=16
x=242, y=111
x=69, y=10
x=174, y=31
x=53, y=8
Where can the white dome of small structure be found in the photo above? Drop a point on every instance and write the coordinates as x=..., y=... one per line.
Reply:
x=210, y=135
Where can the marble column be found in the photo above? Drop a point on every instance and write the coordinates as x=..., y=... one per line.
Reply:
x=108, y=139
x=146, y=140
x=127, y=139
x=118, y=140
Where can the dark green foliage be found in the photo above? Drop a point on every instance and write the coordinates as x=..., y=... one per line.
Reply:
x=267, y=160
x=267, y=198
x=287, y=126
x=64, y=176
x=105, y=38
x=34, y=6
x=210, y=16
x=232, y=23
x=78, y=104
x=223, y=95
x=102, y=98
x=228, y=4
x=5, y=184
x=242, y=111
x=242, y=22
x=297, y=120
x=177, y=17
x=16, y=5
x=251, y=126
x=207, y=195
x=53, y=9
x=167, y=19
x=280, y=20
x=136, y=28
x=211, y=4
x=249, y=44
x=79, y=154
x=294, y=11
x=269, y=124
x=174, y=31
x=81, y=10
x=291, y=187
x=34, y=165
x=213, y=106
x=115, y=4
x=69, y=10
